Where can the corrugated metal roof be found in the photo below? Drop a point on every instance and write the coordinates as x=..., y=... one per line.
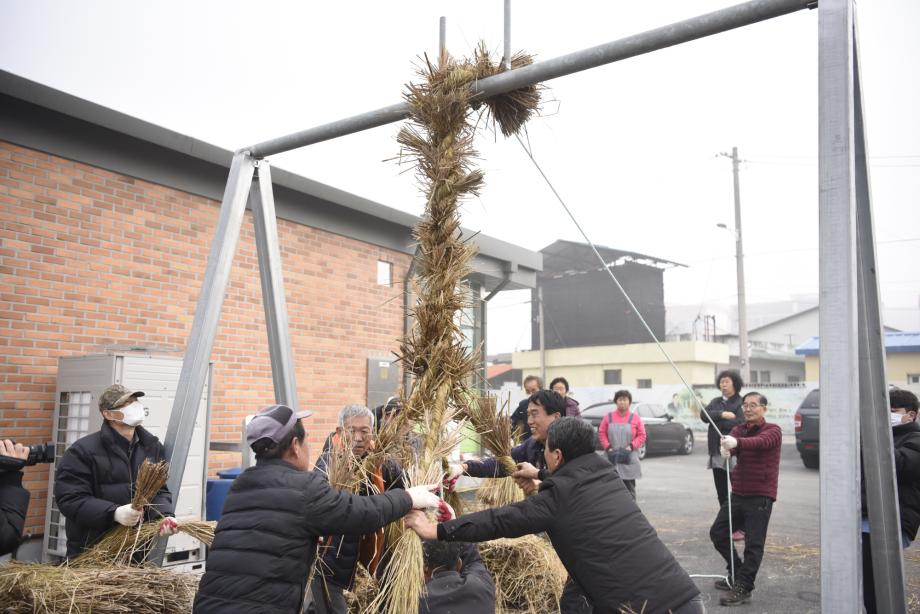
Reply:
x=907, y=341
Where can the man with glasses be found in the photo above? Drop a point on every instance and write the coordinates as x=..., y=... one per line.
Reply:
x=756, y=444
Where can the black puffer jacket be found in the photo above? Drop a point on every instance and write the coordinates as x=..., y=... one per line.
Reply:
x=469, y=591
x=95, y=475
x=14, y=501
x=606, y=544
x=714, y=410
x=907, y=473
x=265, y=541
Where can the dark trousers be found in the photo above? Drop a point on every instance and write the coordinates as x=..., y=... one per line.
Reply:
x=754, y=514
x=573, y=601
x=719, y=477
x=868, y=576
x=631, y=487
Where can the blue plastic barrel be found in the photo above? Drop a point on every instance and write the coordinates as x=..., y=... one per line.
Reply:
x=216, y=492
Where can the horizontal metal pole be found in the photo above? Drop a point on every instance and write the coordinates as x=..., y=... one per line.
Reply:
x=637, y=44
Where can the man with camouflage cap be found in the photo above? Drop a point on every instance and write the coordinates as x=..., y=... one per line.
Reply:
x=94, y=481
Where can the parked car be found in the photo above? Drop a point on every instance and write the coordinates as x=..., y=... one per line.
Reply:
x=808, y=429
x=664, y=434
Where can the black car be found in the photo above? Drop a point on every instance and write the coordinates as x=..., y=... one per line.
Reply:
x=808, y=429
x=663, y=433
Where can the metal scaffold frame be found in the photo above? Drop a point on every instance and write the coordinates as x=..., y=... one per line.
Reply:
x=854, y=409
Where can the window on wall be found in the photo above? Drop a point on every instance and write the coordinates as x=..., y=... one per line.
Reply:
x=793, y=379
x=613, y=377
x=764, y=377
x=384, y=273
x=643, y=383
x=913, y=378
x=754, y=378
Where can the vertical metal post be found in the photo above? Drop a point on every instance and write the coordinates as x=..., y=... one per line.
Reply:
x=262, y=202
x=195, y=365
x=878, y=450
x=839, y=485
x=743, y=352
x=507, y=59
x=542, y=335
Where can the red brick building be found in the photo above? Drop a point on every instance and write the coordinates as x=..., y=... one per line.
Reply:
x=105, y=226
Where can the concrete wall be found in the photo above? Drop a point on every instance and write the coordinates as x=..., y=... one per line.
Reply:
x=585, y=366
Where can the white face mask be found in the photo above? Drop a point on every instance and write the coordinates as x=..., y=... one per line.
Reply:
x=896, y=419
x=133, y=414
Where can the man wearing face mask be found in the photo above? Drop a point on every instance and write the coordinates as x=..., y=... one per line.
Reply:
x=905, y=433
x=95, y=477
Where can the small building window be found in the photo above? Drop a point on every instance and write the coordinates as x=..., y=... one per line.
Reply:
x=913, y=378
x=764, y=377
x=754, y=378
x=793, y=379
x=384, y=273
x=643, y=383
x=613, y=377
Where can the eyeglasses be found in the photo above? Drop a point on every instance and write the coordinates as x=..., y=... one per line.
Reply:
x=752, y=406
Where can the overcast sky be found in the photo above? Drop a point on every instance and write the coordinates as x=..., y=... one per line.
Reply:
x=632, y=147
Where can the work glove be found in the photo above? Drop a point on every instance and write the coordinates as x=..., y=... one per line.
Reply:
x=422, y=497
x=726, y=454
x=729, y=443
x=445, y=512
x=454, y=472
x=128, y=516
x=168, y=526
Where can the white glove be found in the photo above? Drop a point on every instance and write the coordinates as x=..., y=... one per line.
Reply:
x=454, y=471
x=725, y=453
x=168, y=526
x=423, y=498
x=128, y=516
x=729, y=442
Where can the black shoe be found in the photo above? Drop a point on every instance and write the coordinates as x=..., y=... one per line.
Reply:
x=738, y=596
x=723, y=585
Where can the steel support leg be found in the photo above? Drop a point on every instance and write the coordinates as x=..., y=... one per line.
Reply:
x=878, y=453
x=839, y=488
x=262, y=202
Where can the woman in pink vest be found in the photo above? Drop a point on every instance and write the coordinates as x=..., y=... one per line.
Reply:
x=622, y=434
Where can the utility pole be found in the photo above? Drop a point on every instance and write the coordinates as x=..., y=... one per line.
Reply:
x=743, y=352
x=542, y=338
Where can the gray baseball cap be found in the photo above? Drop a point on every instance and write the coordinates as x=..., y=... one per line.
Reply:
x=115, y=396
x=273, y=422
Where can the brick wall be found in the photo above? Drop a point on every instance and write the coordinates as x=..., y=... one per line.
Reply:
x=90, y=258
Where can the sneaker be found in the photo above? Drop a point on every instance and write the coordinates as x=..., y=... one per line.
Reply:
x=722, y=585
x=738, y=536
x=738, y=596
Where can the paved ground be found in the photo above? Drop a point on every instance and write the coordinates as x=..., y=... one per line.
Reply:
x=677, y=495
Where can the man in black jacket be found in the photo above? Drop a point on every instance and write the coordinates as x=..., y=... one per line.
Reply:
x=265, y=541
x=95, y=477
x=906, y=437
x=608, y=547
x=14, y=499
x=724, y=413
x=545, y=407
x=456, y=580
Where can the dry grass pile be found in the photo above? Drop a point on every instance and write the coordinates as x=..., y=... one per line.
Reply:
x=528, y=575
x=28, y=588
x=132, y=546
x=362, y=593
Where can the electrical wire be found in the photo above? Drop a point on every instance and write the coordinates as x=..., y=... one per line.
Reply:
x=654, y=337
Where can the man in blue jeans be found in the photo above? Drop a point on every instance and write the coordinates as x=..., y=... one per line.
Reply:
x=757, y=445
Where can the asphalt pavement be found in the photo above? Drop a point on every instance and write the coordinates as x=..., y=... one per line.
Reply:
x=677, y=495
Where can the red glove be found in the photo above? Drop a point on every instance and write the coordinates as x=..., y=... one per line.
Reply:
x=445, y=511
x=168, y=526
x=449, y=484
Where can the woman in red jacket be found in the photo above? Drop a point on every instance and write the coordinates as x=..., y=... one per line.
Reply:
x=622, y=434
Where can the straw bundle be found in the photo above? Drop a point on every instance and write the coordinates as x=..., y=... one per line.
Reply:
x=120, y=547
x=121, y=544
x=528, y=575
x=28, y=588
x=494, y=428
x=439, y=140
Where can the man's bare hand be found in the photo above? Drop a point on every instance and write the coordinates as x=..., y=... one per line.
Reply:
x=526, y=471
x=13, y=450
x=418, y=522
x=529, y=486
